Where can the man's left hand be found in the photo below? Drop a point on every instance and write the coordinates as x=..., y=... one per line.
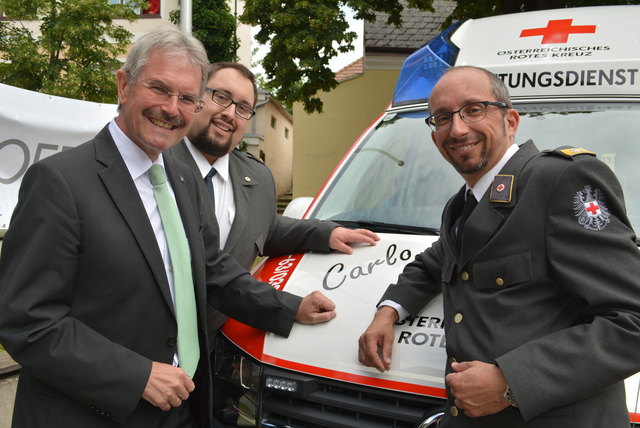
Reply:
x=341, y=237
x=315, y=308
x=478, y=388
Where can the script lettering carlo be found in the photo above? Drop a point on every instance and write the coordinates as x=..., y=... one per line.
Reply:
x=20, y=155
x=335, y=277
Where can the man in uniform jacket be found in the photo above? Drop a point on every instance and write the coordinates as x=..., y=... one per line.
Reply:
x=245, y=193
x=541, y=290
x=86, y=282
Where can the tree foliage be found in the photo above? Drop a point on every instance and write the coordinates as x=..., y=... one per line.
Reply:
x=75, y=54
x=214, y=25
x=471, y=9
x=305, y=35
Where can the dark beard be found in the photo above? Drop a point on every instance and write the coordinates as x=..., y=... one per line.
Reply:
x=475, y=168
x=207, y=145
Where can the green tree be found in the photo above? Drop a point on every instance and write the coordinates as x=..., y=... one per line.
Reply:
x=471, y=9
x=305, y=35
x=75, y=54
x=214, y=25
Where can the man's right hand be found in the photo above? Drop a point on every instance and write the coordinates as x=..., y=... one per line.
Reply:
x=375, y=343
x=167, y=386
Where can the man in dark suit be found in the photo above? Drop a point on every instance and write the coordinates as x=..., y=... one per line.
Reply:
x=88, y=287
x=243, y=187
x=540, y=284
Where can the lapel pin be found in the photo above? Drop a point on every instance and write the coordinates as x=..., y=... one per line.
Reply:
x=247, y=179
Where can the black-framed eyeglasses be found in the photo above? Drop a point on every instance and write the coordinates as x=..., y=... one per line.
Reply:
x=471, y=113
x=186, y=102
x=224, y=100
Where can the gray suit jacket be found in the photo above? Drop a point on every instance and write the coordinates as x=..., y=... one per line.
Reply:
x=257, y=228
x=84, y=299
x=542, y=290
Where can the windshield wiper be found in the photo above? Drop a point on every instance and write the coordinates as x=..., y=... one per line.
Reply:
x=378, y=226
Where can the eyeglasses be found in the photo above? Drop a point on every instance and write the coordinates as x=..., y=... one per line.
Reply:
x=186, y=102
x=471, y=113
x=224, y=100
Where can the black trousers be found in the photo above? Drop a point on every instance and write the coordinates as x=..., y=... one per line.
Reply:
x=178, y=417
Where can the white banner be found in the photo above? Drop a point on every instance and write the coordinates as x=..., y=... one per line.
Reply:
x=34, y=126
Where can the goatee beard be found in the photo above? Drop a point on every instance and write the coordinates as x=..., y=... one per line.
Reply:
x=484, y=158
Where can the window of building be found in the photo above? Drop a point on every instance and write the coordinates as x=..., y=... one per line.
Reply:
x=153, y=9
x=286, y=133
x=273, y=122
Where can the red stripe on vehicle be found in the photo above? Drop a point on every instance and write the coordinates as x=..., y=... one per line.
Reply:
x=353, y=378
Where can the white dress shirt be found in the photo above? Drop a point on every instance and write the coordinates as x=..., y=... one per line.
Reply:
x=138, y=163
x=222, y=189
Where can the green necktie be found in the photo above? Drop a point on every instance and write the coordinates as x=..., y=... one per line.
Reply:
x=188, y=348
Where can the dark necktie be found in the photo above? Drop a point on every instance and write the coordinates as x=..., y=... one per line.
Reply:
x=470, y=203
x=209, y=185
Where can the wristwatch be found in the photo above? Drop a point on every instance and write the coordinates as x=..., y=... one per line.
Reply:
x=508, y=395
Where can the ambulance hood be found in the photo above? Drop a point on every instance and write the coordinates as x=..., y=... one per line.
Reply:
x=355, y=284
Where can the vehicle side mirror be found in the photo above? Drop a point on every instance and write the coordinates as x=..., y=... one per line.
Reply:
x=298, y=207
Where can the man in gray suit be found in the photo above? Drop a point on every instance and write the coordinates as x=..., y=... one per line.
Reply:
x=90, y=298
x=243, y=187
x=540, y=282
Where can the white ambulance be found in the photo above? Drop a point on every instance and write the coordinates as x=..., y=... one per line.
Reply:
x=574, y=76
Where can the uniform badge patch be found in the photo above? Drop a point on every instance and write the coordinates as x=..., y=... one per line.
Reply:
x=590, y=209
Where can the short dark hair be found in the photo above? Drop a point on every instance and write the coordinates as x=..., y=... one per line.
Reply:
x=214, y=67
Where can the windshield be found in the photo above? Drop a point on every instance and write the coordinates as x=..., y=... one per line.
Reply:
x=398, y=177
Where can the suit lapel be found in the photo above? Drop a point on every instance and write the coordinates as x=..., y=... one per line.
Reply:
x=117, y=179
x=488, y=216
x=451, y=212
x=243, y=185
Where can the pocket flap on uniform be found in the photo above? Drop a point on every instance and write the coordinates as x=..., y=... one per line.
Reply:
x=503, y=272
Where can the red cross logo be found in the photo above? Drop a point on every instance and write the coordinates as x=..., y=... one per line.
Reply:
x=557, y=31
x=592, y=208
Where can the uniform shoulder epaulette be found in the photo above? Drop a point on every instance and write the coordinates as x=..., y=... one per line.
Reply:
x=251, y=156
x=569, y=152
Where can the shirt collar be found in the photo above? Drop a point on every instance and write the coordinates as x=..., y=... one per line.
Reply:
x=485, y=181
x=221, y=164
x=136, y=160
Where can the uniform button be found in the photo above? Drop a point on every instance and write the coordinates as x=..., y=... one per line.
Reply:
x=464, y=276
x=454, y=411
x=457, y=318
x=172, y=341
x=452, y=360
x=500, y=282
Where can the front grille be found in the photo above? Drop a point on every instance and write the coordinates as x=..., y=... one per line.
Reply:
x=325, y=403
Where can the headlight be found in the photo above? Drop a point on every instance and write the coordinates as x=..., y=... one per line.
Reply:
x=236, y=398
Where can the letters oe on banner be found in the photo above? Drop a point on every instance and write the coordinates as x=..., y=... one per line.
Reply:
x=34, y=126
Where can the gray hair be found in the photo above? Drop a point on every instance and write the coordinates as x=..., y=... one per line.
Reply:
x=173, y=43
x=498, y=88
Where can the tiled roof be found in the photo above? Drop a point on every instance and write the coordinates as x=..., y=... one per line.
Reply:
x=353, y=69
x=418, y=27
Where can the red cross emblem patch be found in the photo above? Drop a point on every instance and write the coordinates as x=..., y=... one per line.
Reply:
x=590, y=209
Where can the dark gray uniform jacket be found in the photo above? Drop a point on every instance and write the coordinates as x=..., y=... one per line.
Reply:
x=547, y=286
x=257, y=228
